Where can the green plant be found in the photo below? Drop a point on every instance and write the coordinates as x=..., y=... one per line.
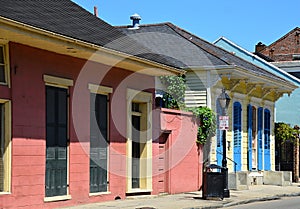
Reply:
x=207, y=123
x=174, y=99
x=174, y=95
x=284, y=133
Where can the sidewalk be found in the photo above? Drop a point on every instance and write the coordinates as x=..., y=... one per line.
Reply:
x=193, y=200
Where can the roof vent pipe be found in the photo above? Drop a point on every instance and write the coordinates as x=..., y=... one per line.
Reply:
x=135, y=20
x=95, y=11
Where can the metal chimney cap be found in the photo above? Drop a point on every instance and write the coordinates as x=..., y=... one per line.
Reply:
x=135, y=17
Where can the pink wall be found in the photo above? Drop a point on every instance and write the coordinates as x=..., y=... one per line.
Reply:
x=184, y=171
x=27, y=93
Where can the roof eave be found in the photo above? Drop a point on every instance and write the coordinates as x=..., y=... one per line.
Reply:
x=90, y=50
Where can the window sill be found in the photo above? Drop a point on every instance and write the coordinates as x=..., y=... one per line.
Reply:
x=5, y=193
x=57, y=198
x=132, y=191
x=99, y=194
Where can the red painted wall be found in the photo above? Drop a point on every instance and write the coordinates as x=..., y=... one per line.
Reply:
x=27, y=93
x=185, y=157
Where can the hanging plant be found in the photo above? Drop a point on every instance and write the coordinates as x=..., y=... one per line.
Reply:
x=207, y=123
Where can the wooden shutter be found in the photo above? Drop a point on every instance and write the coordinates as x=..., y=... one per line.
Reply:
x=98, y=143
x=56, y=141
x=267, y=155
x=249, y=127
x=237, y=131
x=259, y=137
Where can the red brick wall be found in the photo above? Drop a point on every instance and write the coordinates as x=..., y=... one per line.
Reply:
x=27, y=94
x=284, y=48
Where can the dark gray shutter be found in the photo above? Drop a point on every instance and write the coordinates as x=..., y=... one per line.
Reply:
x=56, y=141
x=98, y=143
x=136, y=151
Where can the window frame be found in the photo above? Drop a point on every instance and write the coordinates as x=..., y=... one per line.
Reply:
x=6, y=64
x=106, y=91
x=65, y=83
x=145, y=99
x=7, y=142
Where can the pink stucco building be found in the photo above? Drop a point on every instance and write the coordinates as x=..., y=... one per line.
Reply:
x=78, y=122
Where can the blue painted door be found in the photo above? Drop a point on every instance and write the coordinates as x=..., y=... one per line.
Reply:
x=267, y=156
x=219, y=136
x=259, y=138
x=249, y=127
x=237, y=135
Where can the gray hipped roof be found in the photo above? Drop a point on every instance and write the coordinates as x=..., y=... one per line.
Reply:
x=162, y=39
x=187, y=50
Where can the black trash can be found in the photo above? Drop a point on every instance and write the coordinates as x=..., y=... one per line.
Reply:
x=213, y=182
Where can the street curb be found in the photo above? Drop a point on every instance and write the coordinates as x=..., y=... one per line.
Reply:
x=242, y=202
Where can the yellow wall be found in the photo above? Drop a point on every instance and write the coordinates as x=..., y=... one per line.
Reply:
x=240, y=95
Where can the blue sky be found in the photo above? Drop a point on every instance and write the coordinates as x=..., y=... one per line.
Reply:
x=245, y=22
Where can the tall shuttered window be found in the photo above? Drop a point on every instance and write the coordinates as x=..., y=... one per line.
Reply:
x=57, y=134
x=237, y=130
x=99, y=143
x=56, y=141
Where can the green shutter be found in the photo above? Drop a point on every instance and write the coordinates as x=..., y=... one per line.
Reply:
x=56, y=141
x=98, y=143
x=136, y=151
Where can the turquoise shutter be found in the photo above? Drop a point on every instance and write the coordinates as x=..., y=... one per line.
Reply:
x=237, y=137
x=267, y=155
x=259, y=137
x=249, y=127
